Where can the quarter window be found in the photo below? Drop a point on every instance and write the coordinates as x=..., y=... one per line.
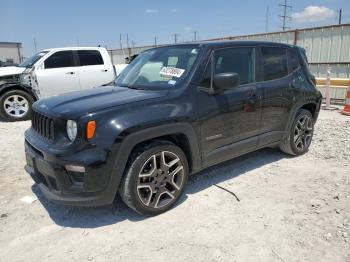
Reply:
x=60, y=59
x=206, y=81
x=236, y=60
x=90, y=57
x=274, y=61
x=293, y=60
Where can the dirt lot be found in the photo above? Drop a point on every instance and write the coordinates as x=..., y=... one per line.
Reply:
x=290, y=209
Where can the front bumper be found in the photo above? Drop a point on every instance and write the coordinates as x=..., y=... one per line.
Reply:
x=48, y=170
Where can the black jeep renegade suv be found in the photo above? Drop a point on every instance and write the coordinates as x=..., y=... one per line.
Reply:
x=174, y=111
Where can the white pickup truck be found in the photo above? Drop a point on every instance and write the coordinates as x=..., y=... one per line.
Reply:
x=53, y=72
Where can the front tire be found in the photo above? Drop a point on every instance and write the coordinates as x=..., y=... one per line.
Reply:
x=16, y=105
x=300, y=136
x=155, y=179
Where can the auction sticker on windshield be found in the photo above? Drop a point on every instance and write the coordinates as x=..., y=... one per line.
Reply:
x=171, y=72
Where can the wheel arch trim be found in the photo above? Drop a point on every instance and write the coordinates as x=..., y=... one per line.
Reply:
x=130, y=140
x=125, y=147
x=18, y=86
x=295, y=110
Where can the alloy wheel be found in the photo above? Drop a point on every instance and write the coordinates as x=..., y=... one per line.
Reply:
x=160, y=179
x=16, y=106
x=303, y=132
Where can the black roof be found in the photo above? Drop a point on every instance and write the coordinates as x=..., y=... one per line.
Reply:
x=241, y=43
x=226, y=43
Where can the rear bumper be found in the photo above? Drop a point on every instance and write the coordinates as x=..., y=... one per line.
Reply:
x=92, y=188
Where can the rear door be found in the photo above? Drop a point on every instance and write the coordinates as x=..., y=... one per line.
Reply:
x=58, y=75
x=275, y=81
x=93, y=70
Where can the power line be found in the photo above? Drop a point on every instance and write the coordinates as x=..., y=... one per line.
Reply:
x=285, y=16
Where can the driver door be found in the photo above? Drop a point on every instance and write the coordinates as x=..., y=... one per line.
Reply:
x=58, y=75
x=229, y=120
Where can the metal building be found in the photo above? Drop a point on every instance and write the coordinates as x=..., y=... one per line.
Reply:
x=325, y=46
x=10, y=52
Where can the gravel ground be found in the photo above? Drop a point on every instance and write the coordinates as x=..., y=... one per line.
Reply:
x=290, y=209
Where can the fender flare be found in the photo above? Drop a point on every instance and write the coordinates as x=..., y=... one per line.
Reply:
x=131, y=139
x=11, y=86
x=124, y=148
x=294, y=113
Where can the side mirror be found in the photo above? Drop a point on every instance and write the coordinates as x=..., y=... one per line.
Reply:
x=224, y=81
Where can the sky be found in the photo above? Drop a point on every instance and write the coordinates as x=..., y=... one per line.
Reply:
x=90, y=23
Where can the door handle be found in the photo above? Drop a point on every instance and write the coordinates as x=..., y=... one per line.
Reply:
x=70, y=73
x=252, y=93
x=104, y=70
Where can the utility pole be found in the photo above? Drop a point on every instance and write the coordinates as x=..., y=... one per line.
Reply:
x=155, y=41
x=267, y=20
x=195, y=36
x=175, y=38
x=35, y=46
x=285, y=16
x=120, y=41
x=121, y=45
x=78, y=44
x=340, y=16
x=127, y=40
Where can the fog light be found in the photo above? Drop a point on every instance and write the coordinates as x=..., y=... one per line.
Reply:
x=73, y=168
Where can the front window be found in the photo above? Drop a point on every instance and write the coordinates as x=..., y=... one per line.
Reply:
x=28, y=63
x=238, y=60
x=60, y=59
x=163, y=67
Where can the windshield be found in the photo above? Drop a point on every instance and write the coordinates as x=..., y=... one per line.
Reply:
x=28, y=63
x=162, y=67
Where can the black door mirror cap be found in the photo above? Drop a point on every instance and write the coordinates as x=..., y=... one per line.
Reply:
x=227, y=80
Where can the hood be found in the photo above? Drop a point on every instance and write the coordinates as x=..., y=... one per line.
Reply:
x=76, y=104
x=11, y=70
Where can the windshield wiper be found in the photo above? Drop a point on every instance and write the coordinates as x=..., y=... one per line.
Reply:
x=131, y=86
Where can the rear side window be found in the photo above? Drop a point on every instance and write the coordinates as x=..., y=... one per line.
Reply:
x=60, y=59
x=90, y=57
x=274, y=63
x=238, y=60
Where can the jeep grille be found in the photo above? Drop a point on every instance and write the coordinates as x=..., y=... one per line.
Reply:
x=43, y=125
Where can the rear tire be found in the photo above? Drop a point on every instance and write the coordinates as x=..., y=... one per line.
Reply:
x=155, y=179
x=298, y=141
x=16, y=105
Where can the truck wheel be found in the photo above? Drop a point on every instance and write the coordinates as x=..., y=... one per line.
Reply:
x=155, y=179
x=16, y=105
x=300, y=135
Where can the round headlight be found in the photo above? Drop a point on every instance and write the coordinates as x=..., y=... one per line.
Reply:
x=71, y=130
